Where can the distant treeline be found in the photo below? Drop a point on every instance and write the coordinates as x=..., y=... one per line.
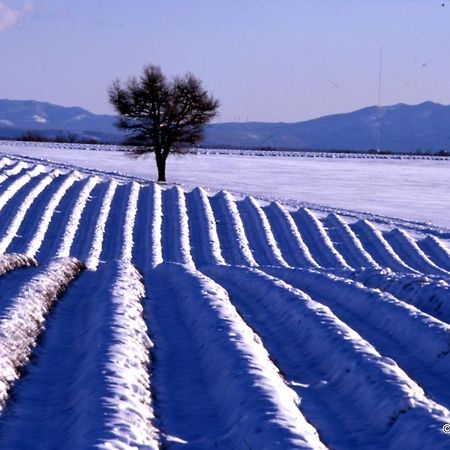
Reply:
x=374, y=151
x=74, y=138
x=63, y=137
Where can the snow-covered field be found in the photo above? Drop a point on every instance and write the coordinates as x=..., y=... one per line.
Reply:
x=412, y=188
x=134, y=315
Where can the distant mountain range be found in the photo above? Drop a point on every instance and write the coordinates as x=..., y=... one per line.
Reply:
x=20, y=116
x=399, y=128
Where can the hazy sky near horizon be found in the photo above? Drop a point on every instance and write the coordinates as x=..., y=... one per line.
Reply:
x=266, y=60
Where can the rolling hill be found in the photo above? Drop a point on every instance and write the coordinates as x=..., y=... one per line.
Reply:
x=20, y=116
x=401, y=128
x=398, y=128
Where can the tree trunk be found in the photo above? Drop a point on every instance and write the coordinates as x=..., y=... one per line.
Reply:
x=161, y=165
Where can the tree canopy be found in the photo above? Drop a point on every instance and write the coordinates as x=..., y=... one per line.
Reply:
x=162, y=115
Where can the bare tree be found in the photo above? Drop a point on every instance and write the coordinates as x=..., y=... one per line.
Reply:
x=162, y=115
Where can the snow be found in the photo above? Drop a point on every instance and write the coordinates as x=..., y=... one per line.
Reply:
x=75, y=217
x=429, y=295
x=93, y=260
x=143, y=315
x=89, y=386
x=238, y=245
x=330, y=376
x=13, y=261
x=39, y=119
x=50, y=209
x=22, y=316
x=22, y=209
x=234, y=365
x=79, y=117
x=415, y=189
x=127, y=249
x=201, y=216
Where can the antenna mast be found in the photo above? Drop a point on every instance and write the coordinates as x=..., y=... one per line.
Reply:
x=380, y=73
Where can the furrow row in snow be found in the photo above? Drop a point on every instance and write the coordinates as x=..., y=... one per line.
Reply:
x=96, y=245
x=130, y=220
x=340, y=377
x=232, y=237
x=62, y=229
x=436, y=251
x=427, y=294
x=15, y=223
x=12, y=282
x=156, y=228
x=34, y=213
x=259, y=234
x=205, y=245
x=317, y=240
x=17, y=183
x=9, y=210
x=114, y=230
x=411, y=253
x=346, y=242
x=85, y=215
x=147, y=251
x=175, y=228
x=295, y=251
x=377, y=246
x=214, y=383
x=10, y=170
x=5, y=162
x=44, y=219
x=11, y=261
x=90, y=374
x=22, y=321
x=418, y=342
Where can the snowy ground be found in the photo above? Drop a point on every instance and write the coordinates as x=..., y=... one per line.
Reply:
x=409, y=188
x=139, y=316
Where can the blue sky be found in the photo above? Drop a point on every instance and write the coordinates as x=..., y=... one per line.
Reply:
x=266, y=60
